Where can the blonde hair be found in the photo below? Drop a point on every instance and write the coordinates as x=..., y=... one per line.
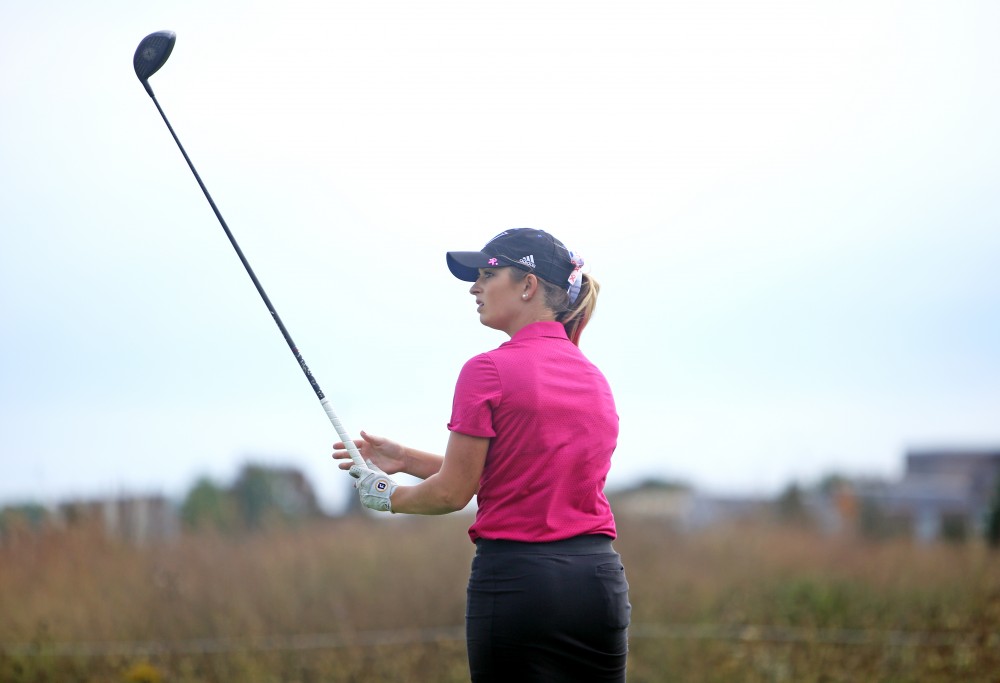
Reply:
x=574, y=317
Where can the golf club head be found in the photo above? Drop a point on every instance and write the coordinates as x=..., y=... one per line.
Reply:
x=152, y=54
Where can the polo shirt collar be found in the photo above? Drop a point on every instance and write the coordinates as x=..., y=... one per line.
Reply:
x=542, y=328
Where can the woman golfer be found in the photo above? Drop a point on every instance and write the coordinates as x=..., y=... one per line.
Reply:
x=533, y=427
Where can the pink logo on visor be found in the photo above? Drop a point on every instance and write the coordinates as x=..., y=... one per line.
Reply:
x=493, y=262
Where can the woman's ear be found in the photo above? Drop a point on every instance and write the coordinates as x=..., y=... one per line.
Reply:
x=530, y=285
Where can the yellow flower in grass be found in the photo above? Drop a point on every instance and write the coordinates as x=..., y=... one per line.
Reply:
x=143, y=672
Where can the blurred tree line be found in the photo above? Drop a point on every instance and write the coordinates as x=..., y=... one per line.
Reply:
x=791, y=506
x=260, y=497
x=263, y=497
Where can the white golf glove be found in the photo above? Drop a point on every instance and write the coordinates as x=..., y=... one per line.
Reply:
x=374, y=486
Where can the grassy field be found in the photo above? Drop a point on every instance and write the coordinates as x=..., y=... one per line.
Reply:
x=383, y=600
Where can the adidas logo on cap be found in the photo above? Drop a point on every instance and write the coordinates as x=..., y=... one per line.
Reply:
x=528, y=260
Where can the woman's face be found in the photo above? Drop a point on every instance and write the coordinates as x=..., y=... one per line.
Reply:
x=498, y=298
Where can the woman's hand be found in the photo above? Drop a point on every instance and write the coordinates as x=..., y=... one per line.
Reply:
x=374, y=487
x=388, y=456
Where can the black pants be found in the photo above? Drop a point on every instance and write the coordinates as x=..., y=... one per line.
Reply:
x=547, y=612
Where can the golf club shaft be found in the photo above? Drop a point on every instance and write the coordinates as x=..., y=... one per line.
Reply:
x=325, y=402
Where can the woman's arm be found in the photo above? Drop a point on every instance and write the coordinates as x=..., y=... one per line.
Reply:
x=389, y=456
x=467, y=453
x=421, y=464
x=450, y=488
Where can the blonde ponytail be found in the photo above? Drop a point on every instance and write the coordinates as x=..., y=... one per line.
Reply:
x=576, y=318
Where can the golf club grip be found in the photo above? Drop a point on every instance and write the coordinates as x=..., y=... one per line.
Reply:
x=325, y=402
x=342, y=433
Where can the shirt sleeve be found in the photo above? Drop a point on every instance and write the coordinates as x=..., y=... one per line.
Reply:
x=477, y=394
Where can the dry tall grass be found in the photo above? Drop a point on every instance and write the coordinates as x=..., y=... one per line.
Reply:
x=383, y=600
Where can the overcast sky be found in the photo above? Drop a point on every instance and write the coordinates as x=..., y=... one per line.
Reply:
x=793, y=209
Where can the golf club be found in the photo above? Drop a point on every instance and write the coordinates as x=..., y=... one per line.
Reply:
x=150, y=56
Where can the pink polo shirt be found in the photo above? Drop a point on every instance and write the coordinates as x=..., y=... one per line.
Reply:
x=553, y=426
